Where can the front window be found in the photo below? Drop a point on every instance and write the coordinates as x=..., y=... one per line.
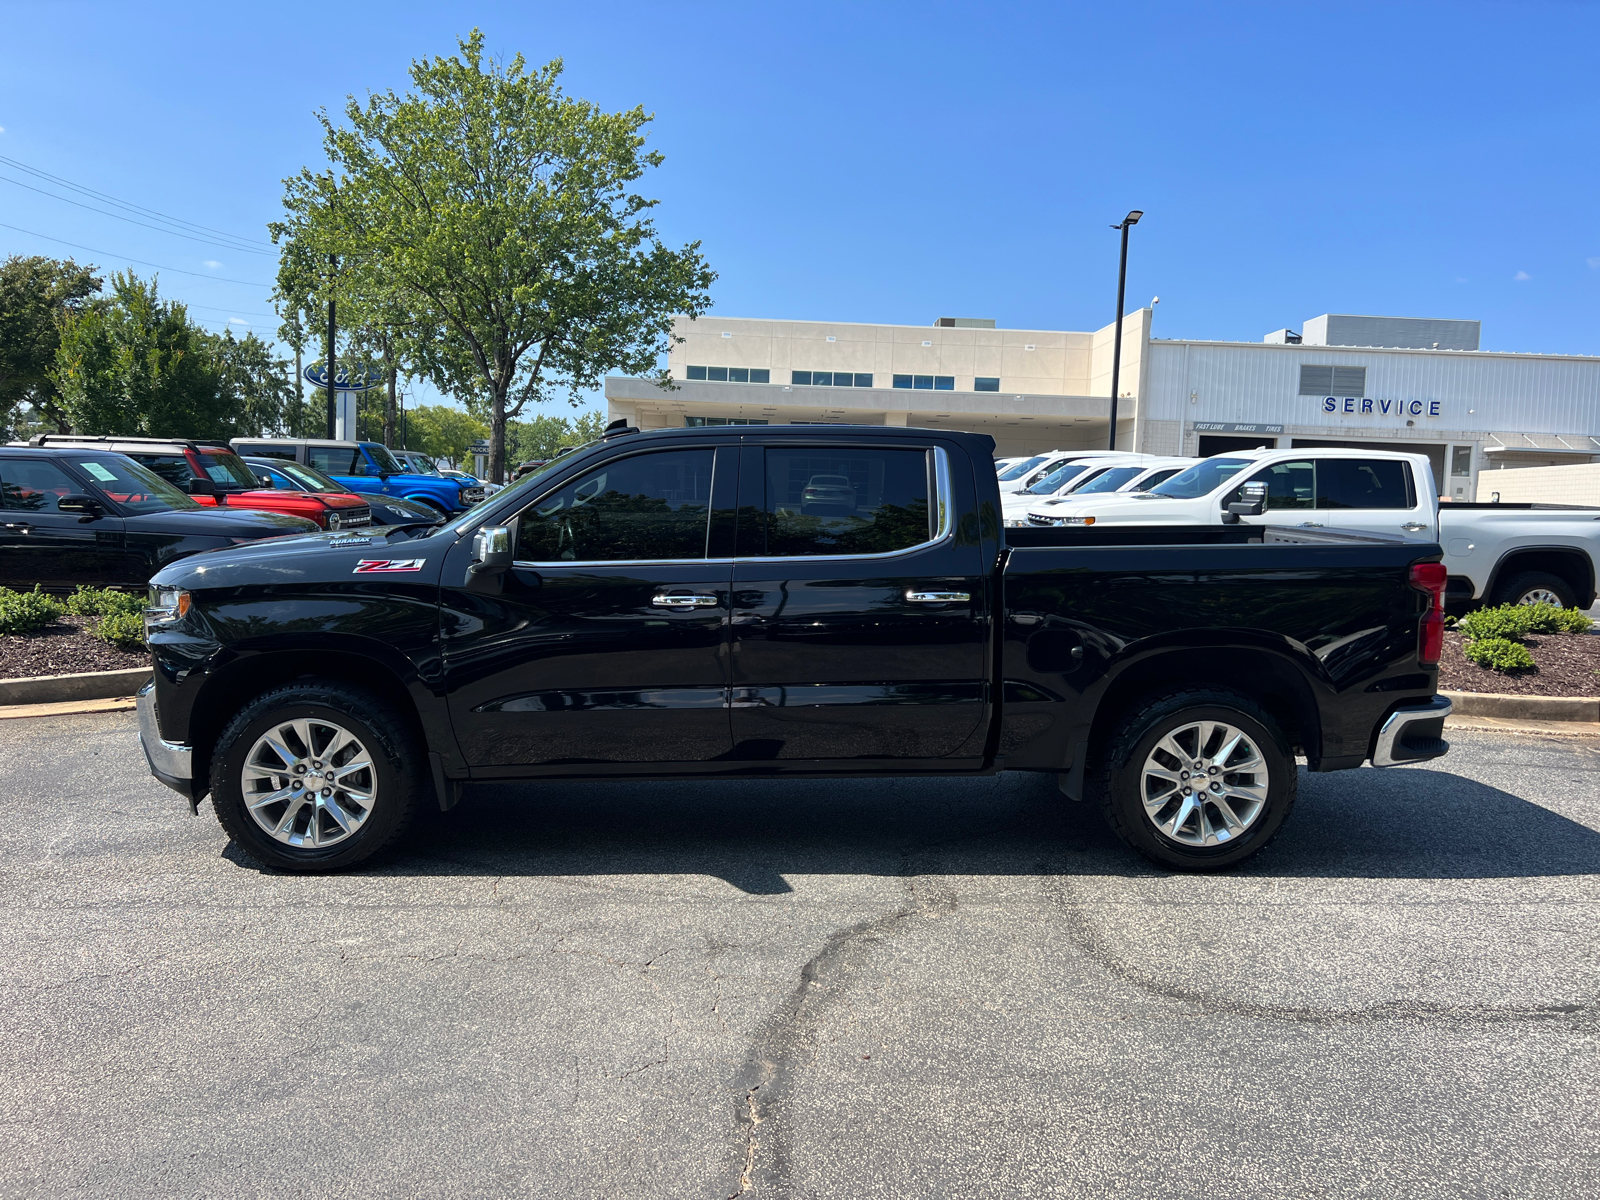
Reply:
x=135, y=488
x=1018, y=470
x=1201, y=479
x=827, y=501
x=1110, y=480
x=228, y=469
x=1057, y=479
x=382, y=459
x=647, y=507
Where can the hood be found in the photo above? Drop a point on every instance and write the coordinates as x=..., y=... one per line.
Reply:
x=325, y=558
x=221, y=522
x=1119, y=506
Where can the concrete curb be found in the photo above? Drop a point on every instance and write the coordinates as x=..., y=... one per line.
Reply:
x=57, y=689
x=1525, y=708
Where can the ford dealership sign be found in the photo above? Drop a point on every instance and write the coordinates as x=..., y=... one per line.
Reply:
x=362, y=379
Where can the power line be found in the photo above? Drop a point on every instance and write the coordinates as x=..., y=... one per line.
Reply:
x=140, y=261
x=142, y=224
x=138, y=208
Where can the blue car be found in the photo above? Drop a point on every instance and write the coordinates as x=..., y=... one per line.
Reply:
x=365, y=467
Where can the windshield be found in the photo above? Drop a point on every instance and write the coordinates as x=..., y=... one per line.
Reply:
x=1201, y=479
x=420, y=464
x=1054, y=481
x=309, y=478
x=227, y=468
x=137, y=489
x=517, y=487
x=1111, y=480
x=1023, y=467
x=383, y=459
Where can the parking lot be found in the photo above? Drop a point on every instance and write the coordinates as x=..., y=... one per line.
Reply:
x=846, y=988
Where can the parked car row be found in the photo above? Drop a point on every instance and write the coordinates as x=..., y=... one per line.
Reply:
x=111, y=511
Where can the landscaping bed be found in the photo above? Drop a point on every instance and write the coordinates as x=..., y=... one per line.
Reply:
x=1568, y=665
x=63, y=648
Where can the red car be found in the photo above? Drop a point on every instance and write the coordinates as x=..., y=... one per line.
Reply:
x=214, y=475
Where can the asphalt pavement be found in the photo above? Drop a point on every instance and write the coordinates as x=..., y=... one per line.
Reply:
x=912, y=988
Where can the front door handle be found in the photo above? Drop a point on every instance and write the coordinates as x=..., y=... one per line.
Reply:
x=683, y=600
x=19, y=526
x=1310, y=524
x=1413, y=527
x=939, y=597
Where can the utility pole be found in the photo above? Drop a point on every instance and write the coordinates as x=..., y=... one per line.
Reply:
x=333, y=326
x=1116, y=345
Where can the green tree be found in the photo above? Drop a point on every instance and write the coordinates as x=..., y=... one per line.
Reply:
x=442, y=432
x=259, y=395
x=488, y=219
x=544, y=436
x=134, y=364
x=37, y=295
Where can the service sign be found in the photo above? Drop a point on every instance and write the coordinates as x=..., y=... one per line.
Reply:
x=1366, y=407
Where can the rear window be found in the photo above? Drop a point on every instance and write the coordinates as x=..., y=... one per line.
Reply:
x=336, y=460
x=174, y=468
x=827, y=501
x=1364, y=483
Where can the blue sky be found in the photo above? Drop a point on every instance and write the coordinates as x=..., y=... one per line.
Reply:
x=901, y=162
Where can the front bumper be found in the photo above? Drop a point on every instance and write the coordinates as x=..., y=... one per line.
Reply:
x=1412, y=734
x=170, y=762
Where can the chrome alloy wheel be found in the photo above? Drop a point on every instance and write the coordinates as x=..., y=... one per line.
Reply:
x=309, y=783
x=1540, y=596
x=1204, y=783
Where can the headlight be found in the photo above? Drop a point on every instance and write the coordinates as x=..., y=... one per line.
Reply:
x=168, y=606
x=1075, y=520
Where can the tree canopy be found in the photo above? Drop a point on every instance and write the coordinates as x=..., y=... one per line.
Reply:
x=37, y=295
x=487, y=222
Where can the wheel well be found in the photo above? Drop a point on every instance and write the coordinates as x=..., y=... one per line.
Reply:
x=1273, y=682
x=230, y=689
x=1571, y=565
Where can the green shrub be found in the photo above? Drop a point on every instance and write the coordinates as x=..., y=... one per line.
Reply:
x=23, y=612
x=1570, y=620
x=1499, y=654
x=124, y=630
x=102, y=602
x=1508, y=621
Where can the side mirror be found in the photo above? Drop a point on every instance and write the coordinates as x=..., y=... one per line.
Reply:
x=201, y=487
x=265, y=481
x=1252, y=501
x=80, y=505
x=491, y=558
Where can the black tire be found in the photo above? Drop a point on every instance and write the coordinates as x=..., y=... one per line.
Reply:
x=401, y=769
x=1516, y=589
x=1119, y=779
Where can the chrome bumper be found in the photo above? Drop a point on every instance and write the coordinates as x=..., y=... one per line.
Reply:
x=1413, y=734
x=169, y=762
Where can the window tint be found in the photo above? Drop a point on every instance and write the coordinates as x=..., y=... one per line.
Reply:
x=379, y=453
x=648, y=506
x=1160, y=476
x=986, y=383
x=1110, y=480
x=269, y=451
x=335, y=460
x=1289, y=485
x=227, y=468
x=1363, y=483
x=1202, y=478
x=1018, y=470
x=1057, y=479
x=174, y=468
x=34, y=486
x=824, y=500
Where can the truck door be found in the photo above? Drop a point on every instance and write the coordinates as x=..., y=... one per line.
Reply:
x=859, y=616
x=608, y=640
x=1376, y=494
x=39, y=544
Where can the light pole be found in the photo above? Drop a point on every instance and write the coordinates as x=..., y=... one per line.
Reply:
x=1116, y=346
x=333, y=327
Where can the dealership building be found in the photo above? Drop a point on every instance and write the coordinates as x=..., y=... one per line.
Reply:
x=1392, y=383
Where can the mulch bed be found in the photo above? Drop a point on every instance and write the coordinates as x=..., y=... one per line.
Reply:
x=65, y=648
x=1568, y=665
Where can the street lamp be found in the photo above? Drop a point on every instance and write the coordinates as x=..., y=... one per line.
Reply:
x=1116, y=347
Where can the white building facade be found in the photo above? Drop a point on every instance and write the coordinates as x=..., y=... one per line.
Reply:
x=1468, y=410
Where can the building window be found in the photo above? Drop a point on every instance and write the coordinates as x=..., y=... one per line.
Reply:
x=926, y=383
x=698, y=422
x=1333, y=381
x=830, y=379
x=986, y=383
x=731, y=374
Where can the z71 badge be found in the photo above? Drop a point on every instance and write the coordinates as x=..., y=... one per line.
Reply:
x=386, y=566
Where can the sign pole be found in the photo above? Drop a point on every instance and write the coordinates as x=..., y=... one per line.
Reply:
x=333, y=265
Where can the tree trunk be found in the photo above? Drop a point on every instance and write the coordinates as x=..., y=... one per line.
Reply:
x=497, y=438
x=389, y=409
x=297, y=422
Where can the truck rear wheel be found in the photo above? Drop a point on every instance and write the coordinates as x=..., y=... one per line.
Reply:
x=316, y=776
x=1197, y=780
x=1536, y=587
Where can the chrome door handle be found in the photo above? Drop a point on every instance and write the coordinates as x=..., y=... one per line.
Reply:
x=1310, y=524
x=19, y=526
x=939, y=597
x=683, y=600
x=1413, y=527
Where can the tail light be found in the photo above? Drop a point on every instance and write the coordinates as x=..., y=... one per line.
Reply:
x=1430, y=578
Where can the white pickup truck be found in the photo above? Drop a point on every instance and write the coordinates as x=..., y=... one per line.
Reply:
x=1495, y=553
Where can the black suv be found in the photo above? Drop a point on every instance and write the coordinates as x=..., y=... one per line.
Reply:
x=73, y=516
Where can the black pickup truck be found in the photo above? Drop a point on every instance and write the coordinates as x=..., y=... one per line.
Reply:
x=786, y=600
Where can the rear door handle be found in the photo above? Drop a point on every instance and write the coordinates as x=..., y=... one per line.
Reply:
x=1413, y=527
x=939, y=597
x=683, y=600
x=1310, y=524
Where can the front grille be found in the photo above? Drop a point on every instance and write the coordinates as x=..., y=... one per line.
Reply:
x=471, y=496
x=358, y=516
x=1036, y=519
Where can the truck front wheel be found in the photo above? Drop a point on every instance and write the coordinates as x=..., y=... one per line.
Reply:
x=1197, y=780
x=316, y=776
